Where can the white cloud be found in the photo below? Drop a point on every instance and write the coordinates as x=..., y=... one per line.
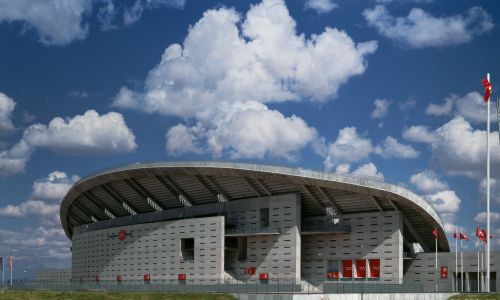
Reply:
x=428, y=182
x=134, y=13
x=471, y=107
x=420, y=29
x=459, y=149
x=419, y=134
x=321, y=6
x=57, y=22
x=89, y=133
x=54, y=187
x=494, y=189
x=343, y=168
x=14, y=161
x=348, y=148
x=7, y=105
x=229, y=67
x=444, y=201
x=30, y=208
x=481, y=217
x=392, y=148
x=440, y=109
x=181, y=139
x=245, y=130
x=369, y=170
x=381, y=108
x=410, y=103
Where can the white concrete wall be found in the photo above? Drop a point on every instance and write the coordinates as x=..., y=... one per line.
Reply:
x=151, y=248
x=374, y=235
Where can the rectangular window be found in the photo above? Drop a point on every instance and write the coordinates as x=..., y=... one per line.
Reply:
x=187, y=249
x=264, y=218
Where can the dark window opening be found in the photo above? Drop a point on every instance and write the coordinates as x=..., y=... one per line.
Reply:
x=264, y=218
x=187, y=249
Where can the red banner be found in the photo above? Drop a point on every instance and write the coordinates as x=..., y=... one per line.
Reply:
x=181, y=276
x=118, y=278
x=263, y=276
x=444, y=272
x=147, y=277
x=250, y=270
x=347, y=268
x=361, y=268
x=374, y=268
x=122, y=234
x=97, y=279
x=332, y=275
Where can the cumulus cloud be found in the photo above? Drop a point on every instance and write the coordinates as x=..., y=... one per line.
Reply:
x=61, y=22
x=54, y=187
x=440, y=109
x=56, y=22
x=321, y=6
x=229, y=67
x=381, y=108
x=420, y=29
x=390, y=148
x=428, y=182
x=246, y=130
x=7, y=106
x=30, y=208
x=349, y=147
x=408, y=104
x=459, y=149
x=419, y=134
x=494, y=190
x=481, y=217
x=471, y=107
x=444, y=201
x=369, y=170
x=134, y=13
x=89, y=133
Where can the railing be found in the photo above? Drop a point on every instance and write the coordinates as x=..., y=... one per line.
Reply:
x=252, y=231
x=327, y=228
x=249, y=286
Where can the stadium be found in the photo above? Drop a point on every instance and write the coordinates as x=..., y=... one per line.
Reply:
x=220, y=221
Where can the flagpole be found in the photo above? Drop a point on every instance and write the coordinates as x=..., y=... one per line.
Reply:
x=488, y=195
x=461, y=264
x=478, y=267
x=456, y=261
x=436, y=264
x=11, y=267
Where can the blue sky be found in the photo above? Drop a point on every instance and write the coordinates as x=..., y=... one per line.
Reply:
x=389, y=89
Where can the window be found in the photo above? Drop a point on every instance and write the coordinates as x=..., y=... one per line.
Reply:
x=187, y=249
x=264, y=218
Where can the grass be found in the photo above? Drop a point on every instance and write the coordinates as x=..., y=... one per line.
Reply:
x=54, y=295
x=474, y=297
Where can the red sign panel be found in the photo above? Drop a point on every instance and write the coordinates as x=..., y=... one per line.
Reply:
x=374, y=268
x=332, y=275
x=250, y=270
x=81, y=278
x=444, y=272
x=118, y=278
x=122, y=234
x=181, y=276
x=361, y=268
x=263, y=276
x=347, y=268
x=97, y=279
x=147, y=277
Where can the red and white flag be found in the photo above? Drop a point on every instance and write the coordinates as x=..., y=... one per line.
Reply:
x=455, y=234
x=487, y=89
x=480, y=233
x=435, y=233
x=10, y=263
x=464, y=236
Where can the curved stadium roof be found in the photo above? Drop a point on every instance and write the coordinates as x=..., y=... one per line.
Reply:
x=148, y=187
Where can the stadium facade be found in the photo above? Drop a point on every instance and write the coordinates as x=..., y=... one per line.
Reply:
x=213, y=221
